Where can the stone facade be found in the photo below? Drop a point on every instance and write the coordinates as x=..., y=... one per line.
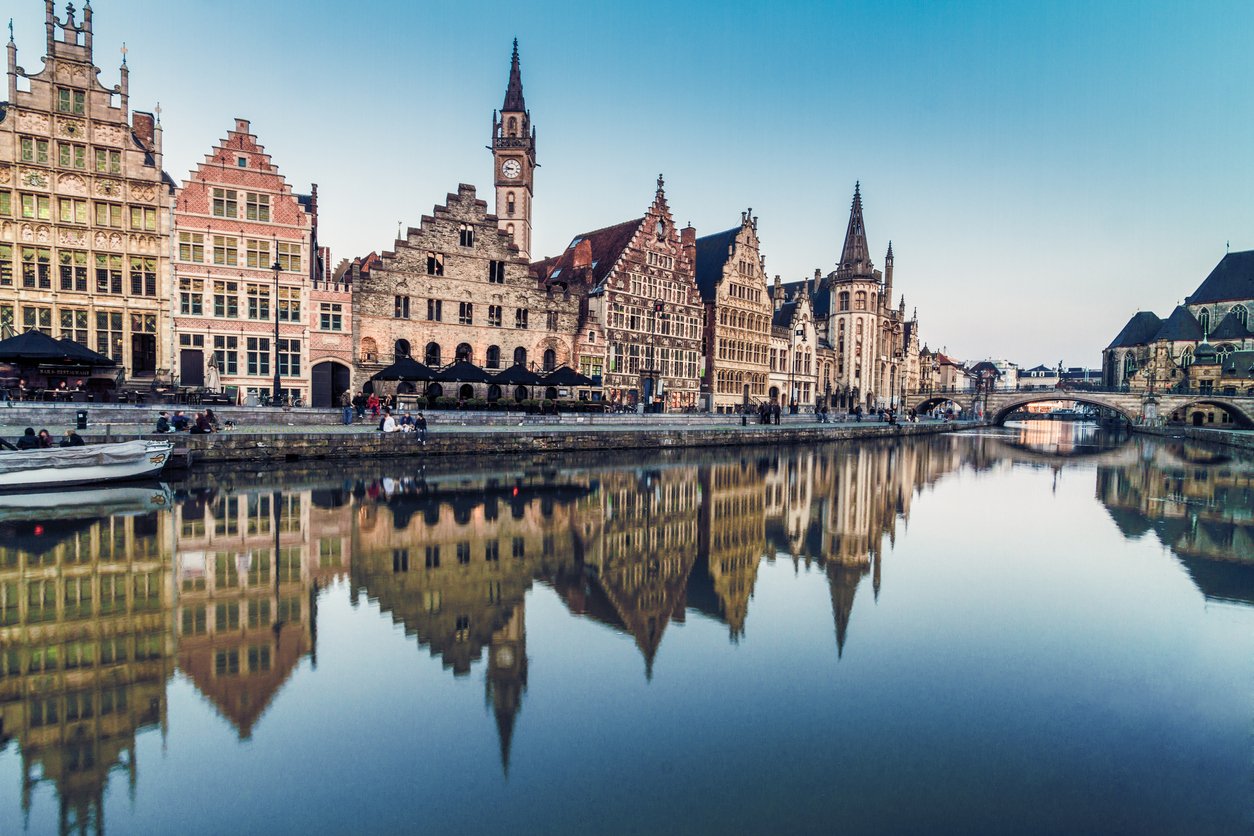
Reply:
x=235, y=219
x=793, y=348
x=84, y=206
x=456, y=288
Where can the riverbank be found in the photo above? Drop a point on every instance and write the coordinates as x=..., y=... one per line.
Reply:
x=1244, y=439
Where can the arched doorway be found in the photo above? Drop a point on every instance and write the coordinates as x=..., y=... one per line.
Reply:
x=551, y=393
x=520, y=356
x=329, y=380
x=466, y=392
x=494, y=393
x=434, y=391
x=432, y=356
x=520, y=393
x=774, y=393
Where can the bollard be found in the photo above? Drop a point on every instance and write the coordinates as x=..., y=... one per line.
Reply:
x=80, y=419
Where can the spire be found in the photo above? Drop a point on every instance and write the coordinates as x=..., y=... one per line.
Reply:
x=514, y=92
x=889, y=257
x=855, y=259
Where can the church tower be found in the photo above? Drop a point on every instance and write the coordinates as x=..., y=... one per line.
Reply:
x=507, y=677
x=514, y=161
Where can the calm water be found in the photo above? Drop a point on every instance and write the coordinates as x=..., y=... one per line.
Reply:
x=1036, y=629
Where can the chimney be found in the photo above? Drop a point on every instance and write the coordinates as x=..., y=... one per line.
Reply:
x=688, y=240
x=144, y=126
x=777, y=293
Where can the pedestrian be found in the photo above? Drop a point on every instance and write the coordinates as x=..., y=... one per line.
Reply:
x=372, y=404
x=180, y=422
x=201, y=426
x=857, y=413
x=775, y=412
x=359, y=404
x=28, y=441
x=346, y=406
x=163, y=422
x=72, y=439
x=420, y=426
x=45, y=439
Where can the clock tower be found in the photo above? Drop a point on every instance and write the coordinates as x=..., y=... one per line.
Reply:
x=514, y=161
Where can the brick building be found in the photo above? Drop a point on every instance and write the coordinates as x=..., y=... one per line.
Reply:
x=84, y=206
x=245, y=247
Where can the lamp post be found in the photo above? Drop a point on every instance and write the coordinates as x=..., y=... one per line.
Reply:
x=274, y=395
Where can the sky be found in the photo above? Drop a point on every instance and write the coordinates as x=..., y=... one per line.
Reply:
x=1043, y=170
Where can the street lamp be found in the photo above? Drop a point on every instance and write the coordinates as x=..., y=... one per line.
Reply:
x=274, y=395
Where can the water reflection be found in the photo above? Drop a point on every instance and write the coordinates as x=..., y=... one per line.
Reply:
x=98, y=612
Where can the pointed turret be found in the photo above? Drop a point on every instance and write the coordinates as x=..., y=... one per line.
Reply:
x=514, y=92
x=855, y=259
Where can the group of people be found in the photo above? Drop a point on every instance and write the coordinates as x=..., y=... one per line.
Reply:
x=42, y=440
x=204, y=422
x=361, y=403
x=405, y=424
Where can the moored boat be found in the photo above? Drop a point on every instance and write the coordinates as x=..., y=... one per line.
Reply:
x=86, y=465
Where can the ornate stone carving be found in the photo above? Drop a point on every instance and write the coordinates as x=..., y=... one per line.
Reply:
x=33, y=179
x=6, y=175
x=109, y=188
x=33, y=122
x=28, y=232
x=43, y=233
x=144, y=192
x=115, y=241
x=109, y=135
x=73, y=237
x=72, y=127
x=102, y=240
x=72, y=184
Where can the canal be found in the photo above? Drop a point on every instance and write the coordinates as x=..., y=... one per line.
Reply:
x=1037, y=628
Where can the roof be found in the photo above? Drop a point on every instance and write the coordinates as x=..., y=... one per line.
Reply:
x=985, y=366
x=1238, y=364
x=855, y=258
x=1231, y=280
x=604, y=246
x=1230, y=329
x=784, y=314
x=1181, y=326
x=713, y=251
x=1140, y=330
x=514, y=92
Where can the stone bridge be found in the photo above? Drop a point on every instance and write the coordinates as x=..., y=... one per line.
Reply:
x=1137, y=407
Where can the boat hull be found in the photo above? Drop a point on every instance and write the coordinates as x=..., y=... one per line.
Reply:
x=87, y=465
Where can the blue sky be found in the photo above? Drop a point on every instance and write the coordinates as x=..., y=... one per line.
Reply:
x=1044, y=170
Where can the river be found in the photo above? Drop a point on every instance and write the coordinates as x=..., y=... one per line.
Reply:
x=1040, y=628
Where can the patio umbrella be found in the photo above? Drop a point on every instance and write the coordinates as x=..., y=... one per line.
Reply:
x=463, y=372
x=78, y=351
x=516, y=375
x=406, y=368
x=39, y=347
x=565, y=376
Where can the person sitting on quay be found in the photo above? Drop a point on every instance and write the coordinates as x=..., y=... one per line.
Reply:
x=420, y=427
x=406, y=422
x=201, y=425
x=72, y=439
x=212, y=420
x=45, y=439
x=359, y=404
x=180, y=422
x=163, y=423
x=388, y=424
x=28, y=441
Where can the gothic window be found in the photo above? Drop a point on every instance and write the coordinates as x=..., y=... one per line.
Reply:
x=509, y=209
x=401, y=309
x=509, y=228
x=401, y=349
x=1203, y=318
x=520, y=356
x=465, y=313
x=464, y=352
x=494, y=357
x=1186, y=359
x=432, y=357
x=1242, y=315
x=520, y=317
x=550, y=360
x=513, y=126
x=466, y=235
x=860, y=300
x=496, y=272
x=1129, y=366
x=435, y=263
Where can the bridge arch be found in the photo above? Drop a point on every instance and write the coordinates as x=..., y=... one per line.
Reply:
x=932, y=401
x=1005, y=408
x=1240, y=416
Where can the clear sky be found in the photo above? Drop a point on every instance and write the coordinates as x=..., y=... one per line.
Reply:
x=1044, y=170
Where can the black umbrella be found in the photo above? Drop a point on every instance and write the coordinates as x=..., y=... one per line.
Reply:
x=462, y=372
x=406, y=368
x=78, y=351
x=565, y=376
x=38, y=346
x=516, y=375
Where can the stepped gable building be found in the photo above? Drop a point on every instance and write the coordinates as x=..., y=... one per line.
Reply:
x=84, y=206
x=875, y=347
x=248, y=253
x=639, y=287
x=794, y=348
x=1207, y=343
x=738, y=314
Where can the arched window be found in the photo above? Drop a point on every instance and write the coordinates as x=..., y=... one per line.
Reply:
x=1129, y=366
x=1186, y=359
x=844, y=300
x=1203, y=319
x=369, y=350
x=1242, y=315
x=494, y=393
x=466, y=392
x=510, y=229
x=550, y=359
x=494, y=357
x=513, y=126
x=509, y=208
x=859, y=300
x=401, y=349
x=1222, y=351
x=464, y=352
x=520, y=356
x=432, y=356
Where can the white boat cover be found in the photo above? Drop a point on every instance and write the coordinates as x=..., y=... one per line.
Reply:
x=91, y=455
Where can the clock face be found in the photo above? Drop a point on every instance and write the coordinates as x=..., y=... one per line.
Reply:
x=511, y=168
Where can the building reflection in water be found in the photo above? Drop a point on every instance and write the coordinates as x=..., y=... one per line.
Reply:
x=100, y=608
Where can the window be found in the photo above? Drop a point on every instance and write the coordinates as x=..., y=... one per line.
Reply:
x=226, y=354
x=463, y=554
x=496, y=272
x=494, y=316
x=143, y=276
x=860, y=300
x=466, y=235
x=400, y=349
x=36, y=267
x=435, y=264
x=466, y=313
x=510, y=206
x=6, y=204
x=400, y=560
x=37, y=207
x=6, y=265
x=225, y=300
x=435, y=310
x=109, y=334
x=225, y=203
x=71, y=101
x=258, y=301
x=432, y=355
x=257, y=254
x=494, y=357
x=1241, y=314
x=143, y=323
x=289, y=257
x=432, y=557
x=143, y=219
x=331, y=316
x=108, y=161
x=258, y=352
x=1203, y=319
x=520, y=356
x=109, y=214
x=289, y=358
x=464, y=353
x=550, y=321
x=70, y=155
x=257, y=206
x=401, y=308
x=34, y=150
x=73, y=270
x=192, y=247
x=191, y=296
x=520, y=318
x=226, y=250
x=550, y=360
x=289, y=304
x=37, y=319
x=519, y=548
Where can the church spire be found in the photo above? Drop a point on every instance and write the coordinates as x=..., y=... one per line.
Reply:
x=855, y=259
x=514, y=92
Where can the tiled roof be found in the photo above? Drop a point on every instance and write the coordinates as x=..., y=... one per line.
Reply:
x=712, y=254
x=1140, y=329
x=1238, y=364
x=1230, y=329
x=1231, y=280
x=783, y=316
x=1181, y=326
x=605, y=246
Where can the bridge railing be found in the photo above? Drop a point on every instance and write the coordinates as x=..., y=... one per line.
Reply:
x=1063, y=392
